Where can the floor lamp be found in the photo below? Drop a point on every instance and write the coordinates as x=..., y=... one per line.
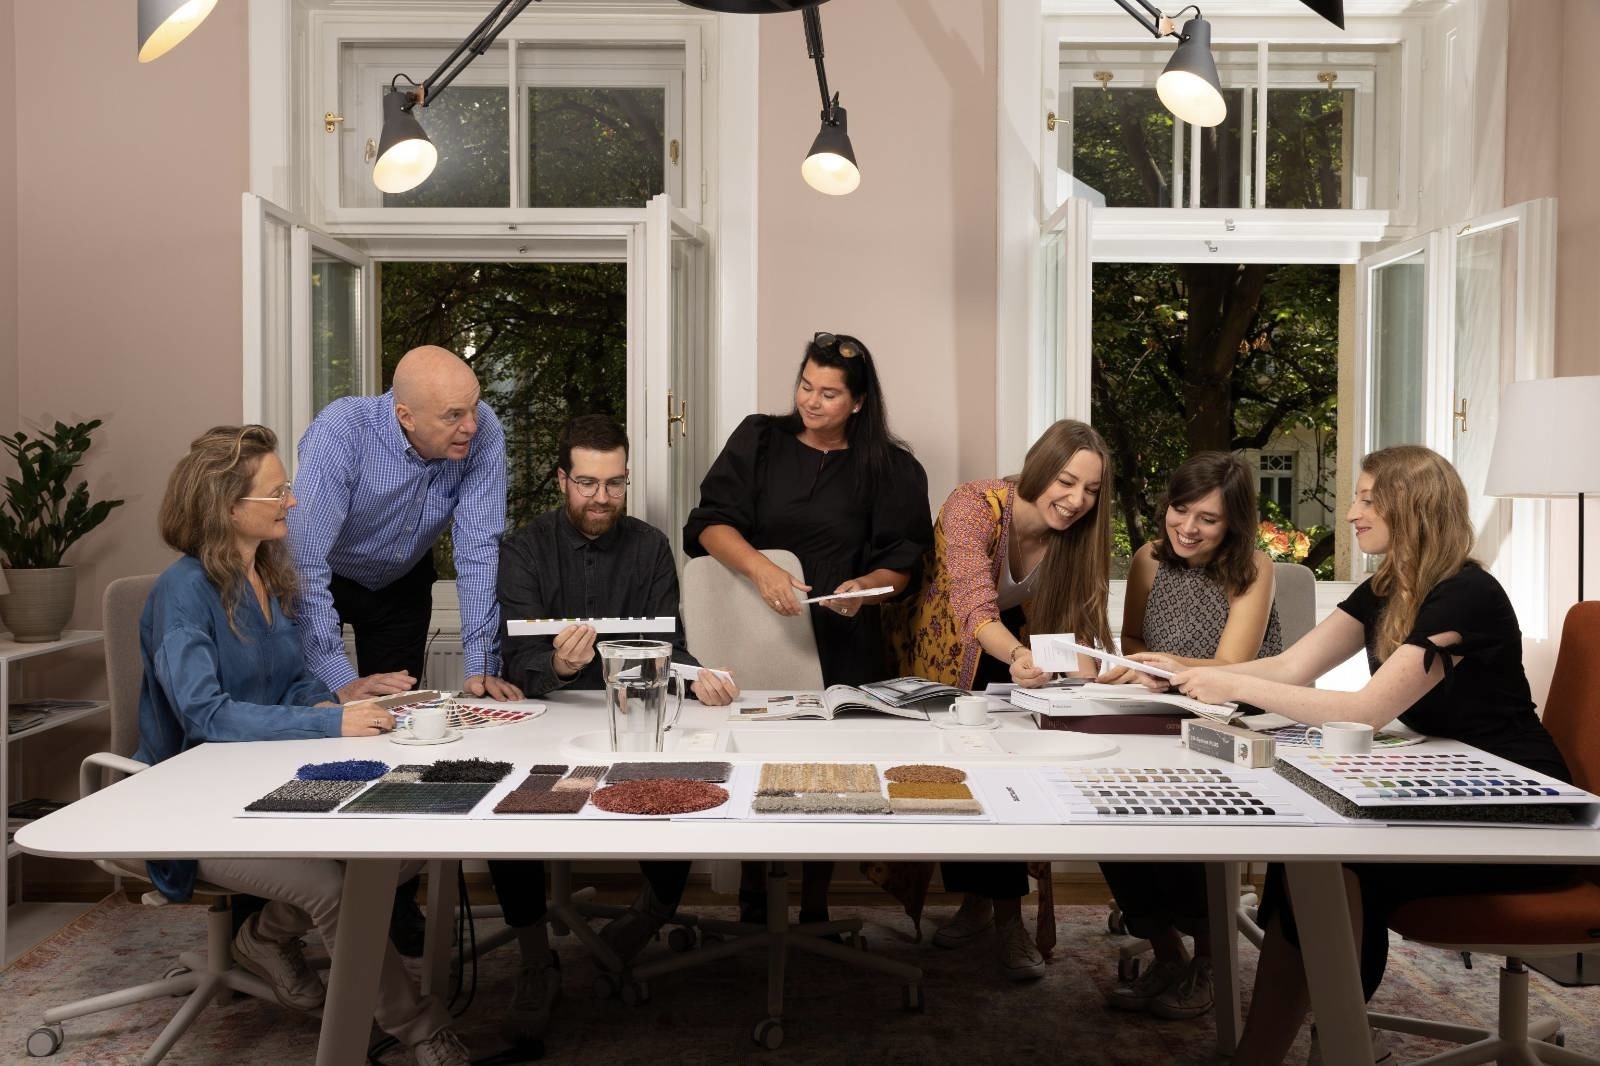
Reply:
x=1548, y=444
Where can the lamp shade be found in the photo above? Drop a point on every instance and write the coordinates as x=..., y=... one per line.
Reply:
x=1189, y=86
x=405, y=155
x=830, y=166
x=164, y=23
x=1548, y=442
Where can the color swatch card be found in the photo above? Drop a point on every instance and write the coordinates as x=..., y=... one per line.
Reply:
x=1416, y=785
x=470, y=715
x=1186, y=795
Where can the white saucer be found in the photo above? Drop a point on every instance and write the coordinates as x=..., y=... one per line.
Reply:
x=403, y=736
x=942, y=722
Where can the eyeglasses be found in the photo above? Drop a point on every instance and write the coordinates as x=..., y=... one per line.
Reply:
x=277, y=497
x=616, y=487
x=846, y=349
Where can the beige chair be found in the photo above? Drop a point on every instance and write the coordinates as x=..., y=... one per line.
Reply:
x=726, y=623
x=1295, y=596
x=199, y=977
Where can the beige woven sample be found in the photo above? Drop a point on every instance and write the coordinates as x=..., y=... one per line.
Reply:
x=823, y=803
x=936, y=806
x=784, y=778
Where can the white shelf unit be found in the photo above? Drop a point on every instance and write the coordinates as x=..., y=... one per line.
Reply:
x=12, y=652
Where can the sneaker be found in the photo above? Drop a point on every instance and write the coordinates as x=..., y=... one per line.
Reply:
x=1190, y=996
x=1138, y=996
x=443, y=1048
x=1382, y=1053
x=280, y=963
x=971, y=921
x=629, y=932
x=1019, y=956
x=532, y=997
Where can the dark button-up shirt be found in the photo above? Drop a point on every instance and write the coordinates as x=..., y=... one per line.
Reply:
x=548, y=569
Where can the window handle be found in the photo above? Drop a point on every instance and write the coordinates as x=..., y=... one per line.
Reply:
x=1461, y=415
x=681, y=418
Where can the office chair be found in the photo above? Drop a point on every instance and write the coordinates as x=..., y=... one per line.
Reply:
x=1544, y=923
x=726, y=623
x=200, y=977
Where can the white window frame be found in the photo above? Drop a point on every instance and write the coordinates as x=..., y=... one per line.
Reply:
x=516, y=66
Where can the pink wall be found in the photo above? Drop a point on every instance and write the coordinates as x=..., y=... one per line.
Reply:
x=907, y=261
x=8, y=228
x=128, y=306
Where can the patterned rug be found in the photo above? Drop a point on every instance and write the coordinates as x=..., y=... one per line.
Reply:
x=834, y=1015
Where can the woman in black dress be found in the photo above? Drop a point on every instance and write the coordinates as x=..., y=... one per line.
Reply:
x=829, y=482
x=1445, y=651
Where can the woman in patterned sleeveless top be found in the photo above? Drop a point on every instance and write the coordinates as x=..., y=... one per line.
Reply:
x=1200, y=594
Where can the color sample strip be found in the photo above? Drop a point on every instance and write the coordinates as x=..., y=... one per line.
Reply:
x=659, y=797
x=344, y=770
x=925, y=772
x=477, y=771
x=668, y=771
x=306, y=797
x=823, y=803
x=779, y=779
x=422, y=797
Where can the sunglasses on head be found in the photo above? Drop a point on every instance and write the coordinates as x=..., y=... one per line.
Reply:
x=845, y=349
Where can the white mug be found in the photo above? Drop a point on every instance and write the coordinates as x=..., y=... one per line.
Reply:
x=428, y=723
x=1344, y=738
x=970, y=710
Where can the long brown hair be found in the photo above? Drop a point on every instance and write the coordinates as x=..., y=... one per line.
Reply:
x=219, y=469
x=1419, y=495
x=1074, y=576
x=1233, y=566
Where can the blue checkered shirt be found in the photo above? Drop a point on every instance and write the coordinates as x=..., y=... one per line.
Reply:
x=370, y=508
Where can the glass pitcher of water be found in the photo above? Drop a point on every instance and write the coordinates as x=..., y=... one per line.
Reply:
x=637, y=673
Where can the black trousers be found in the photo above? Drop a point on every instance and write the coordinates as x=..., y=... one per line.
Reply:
x=1158, y=895
x=391, y=623
x=519, y=885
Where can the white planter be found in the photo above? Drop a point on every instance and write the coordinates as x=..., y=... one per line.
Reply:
x=39, y=603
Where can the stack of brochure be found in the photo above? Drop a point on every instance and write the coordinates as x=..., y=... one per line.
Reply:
x=1092, y=699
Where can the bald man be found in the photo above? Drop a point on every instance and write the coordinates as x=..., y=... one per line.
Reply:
x=380, y=479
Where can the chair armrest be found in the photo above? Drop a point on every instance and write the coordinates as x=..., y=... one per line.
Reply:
x=89, y=780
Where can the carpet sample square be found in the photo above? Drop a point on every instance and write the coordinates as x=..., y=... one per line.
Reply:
x=668, y=771
x=343, y=770
x=786, y=778
x=823, y=803
x=307, y=797
x=406, y=772
x=421, y=797
x=479, y=771
x=936, y=806
x=549, y=801
x=548, y=768
x=537, y=783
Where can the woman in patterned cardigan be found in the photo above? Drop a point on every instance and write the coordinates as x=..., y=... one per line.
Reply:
x=1029, y=552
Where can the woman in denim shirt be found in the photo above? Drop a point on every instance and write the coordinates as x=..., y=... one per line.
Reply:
x=222, y=661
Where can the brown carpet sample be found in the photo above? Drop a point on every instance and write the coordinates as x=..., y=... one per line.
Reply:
x=929, y=790
x=548, y=801
x=925, y=772
x=659, y=797
x=668, y=771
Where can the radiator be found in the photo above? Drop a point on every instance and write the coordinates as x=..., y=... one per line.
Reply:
x=444, y=665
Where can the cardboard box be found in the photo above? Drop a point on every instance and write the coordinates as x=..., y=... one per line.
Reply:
x=1242, y=747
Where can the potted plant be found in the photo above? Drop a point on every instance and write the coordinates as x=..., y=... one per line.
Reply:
x=39, y=520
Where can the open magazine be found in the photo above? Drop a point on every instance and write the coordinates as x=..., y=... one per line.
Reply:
x=1093, y=699
x=900, y=696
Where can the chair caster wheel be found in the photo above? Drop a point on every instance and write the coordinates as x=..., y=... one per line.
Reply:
x=635, y=993
x=176, y=971
x=1558, y=1038
x=911, y=1000
x=1128, y=969
x=681, y=939
x=607, y=986
x=1115, y=924
x=44, y=1041
x=769, y=1034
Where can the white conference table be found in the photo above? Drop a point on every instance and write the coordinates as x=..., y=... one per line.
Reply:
x=187, y=807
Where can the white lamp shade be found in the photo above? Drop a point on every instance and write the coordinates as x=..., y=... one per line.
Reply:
x=1548, y=442
x=165, y=23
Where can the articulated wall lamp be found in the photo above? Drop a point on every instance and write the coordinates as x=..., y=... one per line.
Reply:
x=165, y=23
x=830, y=166
x=1189, y=86
x=405, y=155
